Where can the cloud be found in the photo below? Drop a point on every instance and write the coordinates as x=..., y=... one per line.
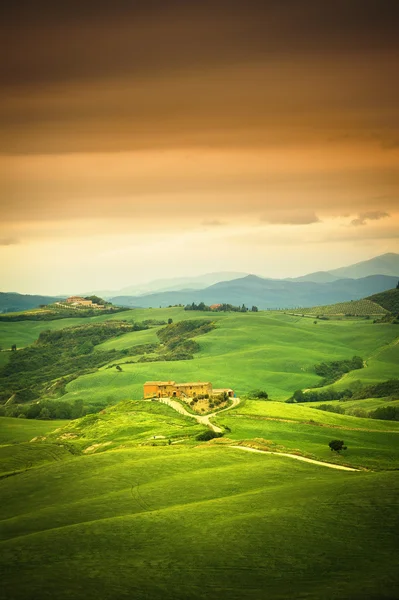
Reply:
x=369, y=216
x=8, y=241
x=212, y=223
x=297, y=217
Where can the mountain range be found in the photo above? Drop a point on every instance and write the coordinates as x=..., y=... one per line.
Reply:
x=322, y=287
x=267, y=293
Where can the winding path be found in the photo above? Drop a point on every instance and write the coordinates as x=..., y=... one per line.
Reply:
x=203, y=419
x=297, y=457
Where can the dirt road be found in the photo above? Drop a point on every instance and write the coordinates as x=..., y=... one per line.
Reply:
x=203, y=419
x=296, y=457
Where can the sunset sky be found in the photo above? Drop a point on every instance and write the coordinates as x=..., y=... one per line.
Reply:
x=147, y=139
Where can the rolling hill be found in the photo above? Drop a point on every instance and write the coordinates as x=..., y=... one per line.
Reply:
x=128, y=502
x=267, y=293
x=388, y=300
x=13, y=302
x=191, y=520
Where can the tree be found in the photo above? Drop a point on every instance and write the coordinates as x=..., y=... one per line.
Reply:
x=298, y=396
x=44, y=414
x=337, y=446
x=95, y=299
x=77, y=409
x=118, y=368
x=14, y=348
x=260, y=394
x=170, y=321
x=397, y=286
x=254, y=309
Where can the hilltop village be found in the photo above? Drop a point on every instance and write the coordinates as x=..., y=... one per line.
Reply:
x=79, y=302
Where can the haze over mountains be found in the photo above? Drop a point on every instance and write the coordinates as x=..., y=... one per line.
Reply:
x=267, y=293
x=386, y=264
x=176, y=283
x=324, y=287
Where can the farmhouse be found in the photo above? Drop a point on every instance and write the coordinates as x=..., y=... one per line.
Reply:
x=171, y=389
x=78, y=301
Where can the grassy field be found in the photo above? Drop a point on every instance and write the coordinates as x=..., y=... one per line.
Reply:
x=127, y=503
x=367, y=404
x=298, y=429
x=14, y=431
x=266, y=350
x=270, y=351
x=360, y=308
x=196, y=523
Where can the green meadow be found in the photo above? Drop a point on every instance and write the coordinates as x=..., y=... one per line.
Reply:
x=127, y=503
x=197, y=522
x=297, y=429
x=265, y=350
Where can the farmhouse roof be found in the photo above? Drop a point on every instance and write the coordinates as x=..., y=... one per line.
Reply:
x=193, y=383
x=160, y=383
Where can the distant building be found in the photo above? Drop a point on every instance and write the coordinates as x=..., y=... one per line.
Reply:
x=74, y=300
x=78, y=301
x=215, y=306
x=171, y=389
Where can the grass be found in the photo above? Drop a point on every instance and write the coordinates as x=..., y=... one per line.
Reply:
x=371, y=444
x=353, y=308
x=196, y=523
x=304, y=413
x=129, y=423
x=105, y=508
x=368, y=404
x=270, y=351
x=265, y=350
x=14, y=431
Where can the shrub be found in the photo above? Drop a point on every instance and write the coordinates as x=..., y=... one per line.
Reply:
x=331, y=408
x=386, y=413
x=260, y=394
x=337, y=446
x=208, y=435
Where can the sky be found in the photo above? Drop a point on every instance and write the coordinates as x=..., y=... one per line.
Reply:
x=148, y=139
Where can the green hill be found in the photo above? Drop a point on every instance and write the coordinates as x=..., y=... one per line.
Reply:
x=389, y=300
x=199, y=521
x=127, y=502
x=13, y=302
x=265, y=350
x=354, y=308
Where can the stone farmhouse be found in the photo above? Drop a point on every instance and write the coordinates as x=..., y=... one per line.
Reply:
x=78, y=301
x=171, y=389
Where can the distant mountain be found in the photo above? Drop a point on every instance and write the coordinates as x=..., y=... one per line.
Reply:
x=386, y=264
x=317, y=277
x=267, y=293
x=174, y=284
x=12, y=302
